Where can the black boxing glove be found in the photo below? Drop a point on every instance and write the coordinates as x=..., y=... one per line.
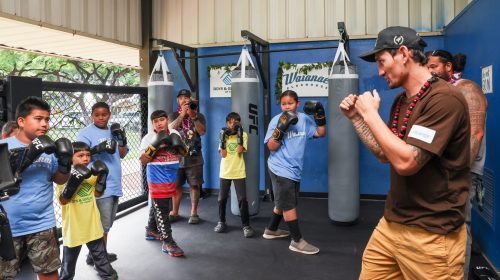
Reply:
x=316, y=109
x=64, y=155
x=39, y=145
x=286, y=119
x=223, y=137
x=79, y=172
x=108, y=146
x=7, y=251
x=161, y=139
x=100, y=170
x=118, y=134
x=177, y=145
x=239, y=131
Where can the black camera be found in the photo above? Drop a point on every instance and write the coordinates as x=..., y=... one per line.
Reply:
x=193, y=105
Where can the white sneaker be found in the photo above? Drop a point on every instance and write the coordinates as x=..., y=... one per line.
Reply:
x=303, y=247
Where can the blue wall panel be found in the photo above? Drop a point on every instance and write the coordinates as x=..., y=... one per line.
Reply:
x=374, y=176
x=474, y=33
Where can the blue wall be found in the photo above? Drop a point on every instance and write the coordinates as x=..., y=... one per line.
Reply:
x=474, y=33
x=374, y=177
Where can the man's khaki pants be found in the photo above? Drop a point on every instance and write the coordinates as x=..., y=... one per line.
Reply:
x=396, y=251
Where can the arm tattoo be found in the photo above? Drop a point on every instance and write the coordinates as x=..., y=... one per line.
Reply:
x=366, y=135
x=477, y=104
x=175, y=123
x=421, y=156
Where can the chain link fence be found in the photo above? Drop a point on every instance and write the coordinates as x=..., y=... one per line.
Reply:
x=71, y=112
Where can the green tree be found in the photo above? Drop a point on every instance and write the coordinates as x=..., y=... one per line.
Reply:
x=56, y=69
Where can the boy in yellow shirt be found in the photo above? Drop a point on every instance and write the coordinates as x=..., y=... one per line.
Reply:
x=233, y=143
x=81, y=218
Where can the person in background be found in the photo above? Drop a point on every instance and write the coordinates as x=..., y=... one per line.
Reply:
x=286, y=138
x=442, y=64
x=191, y=124
x=9, y=129
x=109, y=144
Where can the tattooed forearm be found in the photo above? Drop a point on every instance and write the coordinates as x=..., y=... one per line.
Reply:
x=366, y=136
x=175, y=123
x=420, y=156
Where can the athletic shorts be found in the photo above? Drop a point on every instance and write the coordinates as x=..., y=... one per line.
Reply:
x=107, y=208
x=286, y=192
x=193, y=175
x=41, y=248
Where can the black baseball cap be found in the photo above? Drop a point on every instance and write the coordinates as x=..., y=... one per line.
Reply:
x=184, y=92
x=392, y=38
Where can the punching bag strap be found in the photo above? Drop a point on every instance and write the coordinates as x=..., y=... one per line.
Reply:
x=244, y=60
x=160, y=64
x=341, y=54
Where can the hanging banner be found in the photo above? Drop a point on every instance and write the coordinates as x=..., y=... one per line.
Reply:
x=220, y=83
x=314, y=83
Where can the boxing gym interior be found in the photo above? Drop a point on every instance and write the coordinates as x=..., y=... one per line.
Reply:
x=239, y=56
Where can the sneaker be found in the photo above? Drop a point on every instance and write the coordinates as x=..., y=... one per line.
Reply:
x=152, y=235
x=172, y=218
x=272, y=234
x=220, y=227
x=248, y=232
x=194, y=219
x=303, y=247
x=172, y=249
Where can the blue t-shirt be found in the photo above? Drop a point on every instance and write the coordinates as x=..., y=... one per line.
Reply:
x=31, y=210
x=288, y=159
x=92, y=135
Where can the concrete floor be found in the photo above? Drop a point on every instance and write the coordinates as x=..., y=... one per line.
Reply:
x=211, y=255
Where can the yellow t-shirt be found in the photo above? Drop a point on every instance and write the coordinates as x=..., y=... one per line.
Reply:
x=233, y=165
x=81, y=219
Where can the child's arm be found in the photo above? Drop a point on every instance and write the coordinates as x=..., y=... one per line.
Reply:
x=223, y=153
x=60, y=178
x=63, y=201
x=320, y=131
x=315, y=108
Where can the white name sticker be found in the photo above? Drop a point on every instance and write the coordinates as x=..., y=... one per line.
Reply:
x=422, y=133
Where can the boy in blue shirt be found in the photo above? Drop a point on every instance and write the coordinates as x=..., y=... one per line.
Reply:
x=286, y=138
x=31, y=211
x=99, y=134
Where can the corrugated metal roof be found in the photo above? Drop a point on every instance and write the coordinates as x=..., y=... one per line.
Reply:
x=25, y=36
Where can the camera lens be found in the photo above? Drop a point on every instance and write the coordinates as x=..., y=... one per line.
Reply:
x=193, y=105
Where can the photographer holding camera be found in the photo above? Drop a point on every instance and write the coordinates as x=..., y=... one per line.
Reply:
x=191, y=125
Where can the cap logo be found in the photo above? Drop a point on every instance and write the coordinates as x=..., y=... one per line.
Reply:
x=398, y=40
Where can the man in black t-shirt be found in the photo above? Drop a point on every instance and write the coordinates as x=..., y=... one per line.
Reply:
x=191, y=125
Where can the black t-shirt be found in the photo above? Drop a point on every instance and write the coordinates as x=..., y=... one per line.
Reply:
x=191, y=137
